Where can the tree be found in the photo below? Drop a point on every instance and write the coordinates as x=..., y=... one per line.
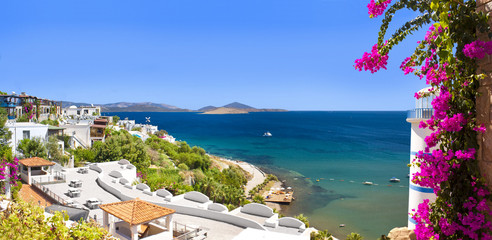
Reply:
x=123, y=145
x=303, y=219
x=25, y=221
x=258, y=199
x=115, y=119
x=321, y=235
x=54, y=151
x=354, y=236
x=5, y=135
x=161, y=133
x=32, y=148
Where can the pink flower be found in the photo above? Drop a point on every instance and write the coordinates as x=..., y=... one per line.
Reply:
x=454, y=123
x=372, y=61
x=477, y=49
x=377, y=8
x=406, y=66
x=424, y=228
x=446, y=228
x=466, y=154
x=432, y=139
x=432, y=33
x=481, y=129
x=422, y=124
x=441, y=104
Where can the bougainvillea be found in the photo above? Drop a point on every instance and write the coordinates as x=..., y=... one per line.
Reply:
x=445, y=58
x=28, y=110
x=10, y=170
x=372, y=61
x=377, y=8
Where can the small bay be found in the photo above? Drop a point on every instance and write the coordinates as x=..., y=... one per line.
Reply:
x=341, y=149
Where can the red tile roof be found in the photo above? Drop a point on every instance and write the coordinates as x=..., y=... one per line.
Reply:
x=136, y=211
x=36, y=162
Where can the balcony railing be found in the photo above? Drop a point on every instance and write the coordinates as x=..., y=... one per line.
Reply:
x=8, y=105
x=48, y=192
x=186, y=232
x=56, y=177
x=423, y=113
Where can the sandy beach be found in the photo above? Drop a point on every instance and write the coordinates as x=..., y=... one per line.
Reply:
x=258, y=177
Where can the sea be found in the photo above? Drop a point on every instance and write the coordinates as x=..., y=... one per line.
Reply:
x=325, y=156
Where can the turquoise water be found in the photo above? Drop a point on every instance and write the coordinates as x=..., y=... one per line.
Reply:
x=348, y=147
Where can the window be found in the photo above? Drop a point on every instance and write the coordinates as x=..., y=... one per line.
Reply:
x=86, y=111
x=78, y=112
x=26, y=134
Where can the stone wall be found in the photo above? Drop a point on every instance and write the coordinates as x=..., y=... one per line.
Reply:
x=484, y=108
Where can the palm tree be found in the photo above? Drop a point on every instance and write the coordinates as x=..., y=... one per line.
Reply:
x=303, y=219
x=354, y=236
x=258, y=199
x=321, y=235
x=251, y=192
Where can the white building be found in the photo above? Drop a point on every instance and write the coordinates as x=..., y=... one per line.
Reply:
x=127, y=124
x=80, y=133
x=423, y=111
x=74, y=111
x=25, y=130
x=85, y=132
x=147, y=128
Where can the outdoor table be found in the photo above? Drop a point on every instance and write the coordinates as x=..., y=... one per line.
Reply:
x=93, y=203
x=75, y=183
x=73, y=192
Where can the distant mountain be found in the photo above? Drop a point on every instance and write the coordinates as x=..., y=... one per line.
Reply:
x=224, y=110
x=78, y=104
x=238, y=106
x=235, y=108
x=130, y=107
x=207, y=108
x=231, y=108
x=147, y=104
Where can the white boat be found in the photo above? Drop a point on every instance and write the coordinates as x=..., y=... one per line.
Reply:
x=267, y=134
x=394, y=179
x=367, y=183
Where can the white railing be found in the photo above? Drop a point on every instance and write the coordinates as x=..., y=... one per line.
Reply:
x=424, y=113
x=49, y=193
x=56, y=177
x=187, y=232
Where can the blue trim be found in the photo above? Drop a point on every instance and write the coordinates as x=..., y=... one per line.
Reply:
x=421, y=189
x=415, y=153
x=410, y=219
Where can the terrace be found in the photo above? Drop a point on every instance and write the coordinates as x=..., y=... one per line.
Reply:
x=113, y=182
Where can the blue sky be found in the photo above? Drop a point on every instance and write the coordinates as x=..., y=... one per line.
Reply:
x=291, y=54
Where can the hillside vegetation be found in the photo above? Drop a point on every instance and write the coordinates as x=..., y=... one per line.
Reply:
x=178, y=167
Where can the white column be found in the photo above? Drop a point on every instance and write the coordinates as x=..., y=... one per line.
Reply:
x=112, y=228
x=416, y=193
x=169, y=225
x=29, y=175
x=105, y=220
x=7, y=182
x=134, y=231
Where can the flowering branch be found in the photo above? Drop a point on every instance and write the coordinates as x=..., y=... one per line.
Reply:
x=446, y=60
